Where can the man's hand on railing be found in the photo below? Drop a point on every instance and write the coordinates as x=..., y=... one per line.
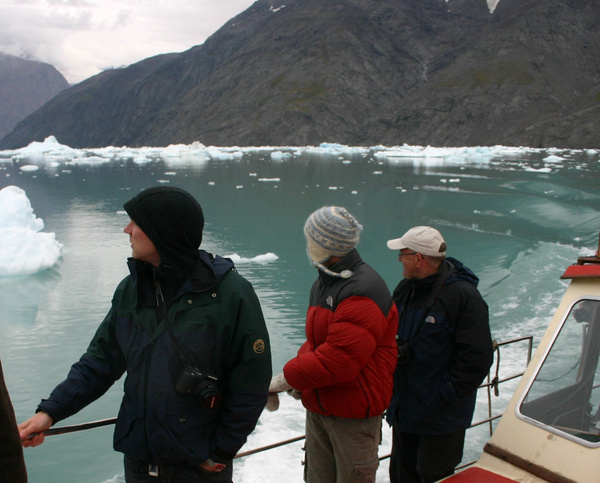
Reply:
x=32, y=430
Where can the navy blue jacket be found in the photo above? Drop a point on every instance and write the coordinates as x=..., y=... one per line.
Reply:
x=450, y=355
x=217, y=322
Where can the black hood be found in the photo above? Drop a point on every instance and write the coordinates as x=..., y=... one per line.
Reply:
x=173, y=220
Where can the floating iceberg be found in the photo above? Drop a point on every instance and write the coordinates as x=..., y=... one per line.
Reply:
x=24, y=248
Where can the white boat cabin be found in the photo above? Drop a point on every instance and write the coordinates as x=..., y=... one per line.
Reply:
x=550, y=431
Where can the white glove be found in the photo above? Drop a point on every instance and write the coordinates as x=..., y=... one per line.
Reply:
x=279, y=384
x=295, y=393
x=272, y=402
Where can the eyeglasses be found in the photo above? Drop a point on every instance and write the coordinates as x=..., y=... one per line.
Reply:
x=400, y=254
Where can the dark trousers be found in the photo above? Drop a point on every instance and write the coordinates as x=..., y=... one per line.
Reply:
x=137, y=472
x=424, y=458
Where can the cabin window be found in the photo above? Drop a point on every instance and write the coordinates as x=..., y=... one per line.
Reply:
x=565, y=394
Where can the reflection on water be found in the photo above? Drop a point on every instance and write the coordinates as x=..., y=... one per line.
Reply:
x=20, y=298
x=517, y=220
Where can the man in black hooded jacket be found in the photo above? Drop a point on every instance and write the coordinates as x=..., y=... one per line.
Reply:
x=444, y=352
x=189, y=332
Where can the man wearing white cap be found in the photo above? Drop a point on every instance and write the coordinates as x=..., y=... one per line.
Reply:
x=444, y=352
x=344, y=370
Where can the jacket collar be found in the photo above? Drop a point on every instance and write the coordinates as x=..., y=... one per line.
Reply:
x=456, y=271
x=349, y=262
x=207, y=272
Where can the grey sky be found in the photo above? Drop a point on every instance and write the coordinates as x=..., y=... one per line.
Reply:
x=83, y=37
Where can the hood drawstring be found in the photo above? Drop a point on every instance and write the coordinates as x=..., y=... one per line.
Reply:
x=342, y=274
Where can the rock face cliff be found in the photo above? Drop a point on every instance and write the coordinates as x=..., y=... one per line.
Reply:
x=24, y=87
x=357, y=72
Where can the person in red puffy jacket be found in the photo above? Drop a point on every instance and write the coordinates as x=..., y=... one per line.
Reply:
x=344, y=370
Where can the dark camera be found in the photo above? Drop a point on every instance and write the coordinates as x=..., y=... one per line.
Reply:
x=403, y=352
x=201, y=385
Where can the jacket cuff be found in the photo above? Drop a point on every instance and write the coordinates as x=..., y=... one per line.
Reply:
x=51, y=408
x=221, y=456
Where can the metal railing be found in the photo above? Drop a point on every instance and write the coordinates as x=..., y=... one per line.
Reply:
x=492, y=383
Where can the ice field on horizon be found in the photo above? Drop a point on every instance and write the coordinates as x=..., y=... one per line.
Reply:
x=51, y=152
x=27, y=250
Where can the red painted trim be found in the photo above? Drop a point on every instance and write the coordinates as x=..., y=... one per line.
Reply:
x=582, y=271
x=477, y=475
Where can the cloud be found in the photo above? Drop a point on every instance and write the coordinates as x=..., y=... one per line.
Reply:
x=82, y=37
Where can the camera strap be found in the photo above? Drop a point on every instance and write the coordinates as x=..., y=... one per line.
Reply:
x=162, y=307
x=433, y=296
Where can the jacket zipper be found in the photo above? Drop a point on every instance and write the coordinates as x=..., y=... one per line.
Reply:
x=159, y=299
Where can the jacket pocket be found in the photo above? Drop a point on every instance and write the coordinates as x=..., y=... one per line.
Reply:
x=188, y=433
x=125, y=432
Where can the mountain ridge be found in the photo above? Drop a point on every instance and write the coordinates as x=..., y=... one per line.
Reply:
x=303, y=72
x=25, y=85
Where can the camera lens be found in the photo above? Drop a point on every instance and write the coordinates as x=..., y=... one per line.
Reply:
x=210, y=397
x=200, y=385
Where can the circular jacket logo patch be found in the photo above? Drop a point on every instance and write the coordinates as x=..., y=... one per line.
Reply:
x=259, y=346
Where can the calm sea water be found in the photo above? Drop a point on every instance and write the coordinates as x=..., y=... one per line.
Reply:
x=517, y=220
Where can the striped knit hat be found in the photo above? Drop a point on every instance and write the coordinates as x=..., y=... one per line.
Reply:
x=330, y=232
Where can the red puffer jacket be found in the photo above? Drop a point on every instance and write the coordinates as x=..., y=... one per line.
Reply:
x=345, y=368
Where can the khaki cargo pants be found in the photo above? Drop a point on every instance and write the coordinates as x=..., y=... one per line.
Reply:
x=341, y=450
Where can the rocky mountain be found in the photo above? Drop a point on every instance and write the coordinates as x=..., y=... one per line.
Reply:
x=357, y=72
x=25, y=86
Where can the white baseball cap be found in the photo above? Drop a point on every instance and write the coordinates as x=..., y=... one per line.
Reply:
x=422, y=239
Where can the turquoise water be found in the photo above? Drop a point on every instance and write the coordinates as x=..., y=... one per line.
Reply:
x=517, y=217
